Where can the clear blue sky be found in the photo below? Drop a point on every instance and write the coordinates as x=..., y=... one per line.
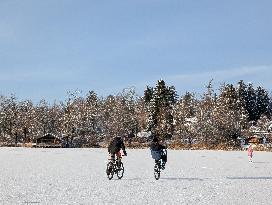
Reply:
x=49, y=47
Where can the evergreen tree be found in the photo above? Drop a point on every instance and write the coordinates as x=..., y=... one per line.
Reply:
x=251, y=103
x=148, y=94
x=159, y=104
x=262, y=102
x=241, y=91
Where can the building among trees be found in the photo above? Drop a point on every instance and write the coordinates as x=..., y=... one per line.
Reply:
x=49, y=140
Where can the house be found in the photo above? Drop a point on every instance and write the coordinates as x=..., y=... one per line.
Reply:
x=264, y=137
x=49, y=140
x=256, y=138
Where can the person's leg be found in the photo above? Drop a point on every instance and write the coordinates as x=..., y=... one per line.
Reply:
x=163, y=161
x=249, y=158
x=164, y=158
x=112, y=156
x=119, y=157
x=158, y=162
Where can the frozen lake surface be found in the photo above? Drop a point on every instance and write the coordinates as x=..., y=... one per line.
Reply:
x=77, y=176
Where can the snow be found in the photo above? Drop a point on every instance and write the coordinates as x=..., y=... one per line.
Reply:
x=77, y=176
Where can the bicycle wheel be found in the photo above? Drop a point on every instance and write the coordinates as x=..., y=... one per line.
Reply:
x=110, y=170
x=120, y=171
x=157, y=171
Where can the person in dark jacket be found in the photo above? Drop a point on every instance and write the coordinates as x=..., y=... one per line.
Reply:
x=114, y=148
x=157, y=147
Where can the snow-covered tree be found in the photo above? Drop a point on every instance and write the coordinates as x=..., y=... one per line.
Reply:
x=230, y=116
x=270, y=107
x=9, y=119
x=129, y=100
x=212, y=119
x=26, y=120
x=41, y=119
x=91, y=120
x=263, y=124
x=185, y=118
x=205, y=117
x=119, y=114
x=141, y=114
x=71, y=116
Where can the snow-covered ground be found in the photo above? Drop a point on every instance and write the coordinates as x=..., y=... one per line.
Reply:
x=77, y=176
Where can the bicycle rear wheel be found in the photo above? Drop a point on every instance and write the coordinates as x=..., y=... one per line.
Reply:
x=120, y=171
x=110, y=170
x=157, y=171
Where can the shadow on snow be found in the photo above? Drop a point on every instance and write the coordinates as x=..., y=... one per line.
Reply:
x=249, y=178
x=183, y=178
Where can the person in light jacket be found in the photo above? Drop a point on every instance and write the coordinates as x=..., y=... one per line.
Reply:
x=250, y=153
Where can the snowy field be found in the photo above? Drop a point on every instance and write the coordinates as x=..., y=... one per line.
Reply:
x=77, y=176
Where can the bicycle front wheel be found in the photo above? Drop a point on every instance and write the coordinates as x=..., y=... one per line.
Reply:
x=120, y=171
x=110, y=170
x=157, y=171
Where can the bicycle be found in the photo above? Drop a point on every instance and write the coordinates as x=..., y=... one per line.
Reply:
x=115, y=167
x=160, y=160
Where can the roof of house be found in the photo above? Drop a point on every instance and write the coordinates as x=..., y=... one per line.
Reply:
x=49, y=136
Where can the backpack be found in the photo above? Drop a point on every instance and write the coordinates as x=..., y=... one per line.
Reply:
x=156, y=154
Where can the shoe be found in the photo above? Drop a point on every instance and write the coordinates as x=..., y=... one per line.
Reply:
x=108, y=171
x=163, y=166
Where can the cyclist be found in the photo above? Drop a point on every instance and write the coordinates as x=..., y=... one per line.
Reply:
x=114, y=148
x=157, y=152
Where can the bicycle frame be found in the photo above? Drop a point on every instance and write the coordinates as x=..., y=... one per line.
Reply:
x=113, y=168
x=159, y=165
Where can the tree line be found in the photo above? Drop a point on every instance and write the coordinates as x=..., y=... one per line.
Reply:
x=213, y=118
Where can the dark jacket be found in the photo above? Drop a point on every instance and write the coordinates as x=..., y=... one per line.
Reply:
x=116, y=145
x=155, y=146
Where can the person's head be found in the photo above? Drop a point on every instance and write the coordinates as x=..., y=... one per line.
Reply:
x=155, y=139
x=119, y=138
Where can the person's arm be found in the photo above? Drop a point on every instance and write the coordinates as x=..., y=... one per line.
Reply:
x=162, y=147
x=109, y=148
x=124, y=148
x=151, y=146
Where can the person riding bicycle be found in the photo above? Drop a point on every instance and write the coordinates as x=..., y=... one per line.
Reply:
x=157, y=151
x=114, y=148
